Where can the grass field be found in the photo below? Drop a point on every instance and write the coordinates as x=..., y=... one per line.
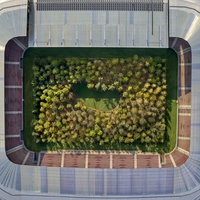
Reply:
x=100, y=100
x=172, y=85
x=172, y=65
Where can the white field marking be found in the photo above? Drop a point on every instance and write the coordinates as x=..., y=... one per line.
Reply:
x=13, y=136
x=12, y=63
x=185, y=64
x=183, y=151
x=13, y=112
x=86, y=160
x=15, y=149
x=26, y=157
x=135, y=160
x=184, y=138
x=159, y=162
x=172, y=159
x=19, y=43
x=184, y=114
x=62, y=159
x=164, y=160
x=174, y=42
x=184, y=88
x=184, y=51
x=184, y=106
x=13, y=86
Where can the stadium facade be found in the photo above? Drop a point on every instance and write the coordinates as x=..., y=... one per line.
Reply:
x=132, y=23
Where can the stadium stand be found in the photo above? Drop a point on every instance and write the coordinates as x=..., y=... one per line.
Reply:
x=182, y=181
x=15, y=150
x=50, y=159
x=74, y=160
x=183, y=51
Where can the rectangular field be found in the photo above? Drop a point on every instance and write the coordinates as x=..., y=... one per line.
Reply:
x=172, y=65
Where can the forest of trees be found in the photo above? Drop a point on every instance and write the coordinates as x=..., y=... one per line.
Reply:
x=61, y=118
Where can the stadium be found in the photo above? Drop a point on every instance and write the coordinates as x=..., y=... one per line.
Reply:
x=100, y=23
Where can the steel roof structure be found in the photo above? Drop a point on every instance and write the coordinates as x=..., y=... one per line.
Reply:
x=136, y=24
x=177, y=18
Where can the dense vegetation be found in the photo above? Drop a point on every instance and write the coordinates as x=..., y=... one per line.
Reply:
x=61, y=117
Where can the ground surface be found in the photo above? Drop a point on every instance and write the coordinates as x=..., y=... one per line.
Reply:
x=98, y=52
x=100, y=100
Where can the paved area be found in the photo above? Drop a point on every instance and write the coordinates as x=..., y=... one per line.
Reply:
x=148, y=161
x=123, y=161
x=13, y=124
x=74, y=160
x=50, y=159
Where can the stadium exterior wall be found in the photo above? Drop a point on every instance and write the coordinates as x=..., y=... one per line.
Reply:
x=30, y=182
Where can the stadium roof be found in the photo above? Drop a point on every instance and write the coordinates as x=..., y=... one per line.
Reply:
x=137, y=24
x=31, y=182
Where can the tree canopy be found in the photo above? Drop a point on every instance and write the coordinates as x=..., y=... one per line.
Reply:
x=62, y=118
